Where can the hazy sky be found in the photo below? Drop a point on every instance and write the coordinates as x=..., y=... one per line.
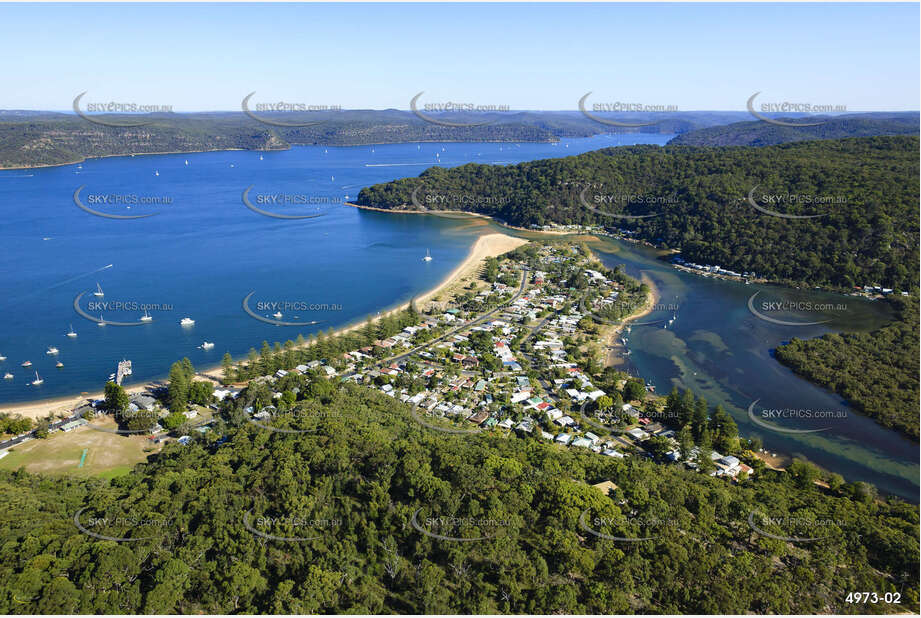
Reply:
x=537, y=56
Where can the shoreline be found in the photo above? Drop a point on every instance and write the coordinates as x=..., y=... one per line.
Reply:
x=486, y=245
x=615, y=356
x=466, y=213
x=84, y=158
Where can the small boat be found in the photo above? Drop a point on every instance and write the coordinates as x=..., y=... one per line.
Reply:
x=231, y=165
x=71, y=333
x=27, y=364
x=186, y=161
x=2, y=358
x=59, y=364
x=207, y=345
x=101, y=321
x=146, y=317
x=277, y=315
x=37, y=380
x=156, y=172
x=260, y=157
x=187, y=321
x=7, y=376
x=98, y=291
x=52, y=350
x=332, y=178
x=428, y=256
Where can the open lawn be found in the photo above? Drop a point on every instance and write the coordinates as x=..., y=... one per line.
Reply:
x=108, y=454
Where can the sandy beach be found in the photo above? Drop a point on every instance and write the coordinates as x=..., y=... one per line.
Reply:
x=615, y=355
x=488, y=245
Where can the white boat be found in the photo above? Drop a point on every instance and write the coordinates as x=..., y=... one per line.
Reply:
x=71, y=333
x=8, y=376
x=98, y=291
x=37, y=380
x=27, y=364
x=52, y=350
x=277, y=315
x=207, y=345
x=428, y=256
x=146, y=317
x=260, y=157
x=101, y=321
x=59, y=364
x=187, y=321
x=156, y=172
x=2, y=358
x=332, y=178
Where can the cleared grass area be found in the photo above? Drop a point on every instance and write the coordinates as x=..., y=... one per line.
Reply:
x=108, y=454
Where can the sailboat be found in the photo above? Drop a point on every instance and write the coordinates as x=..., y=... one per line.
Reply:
x=37, y=380
x=98, y=291
x=146, y=317
x=71, y=333
x=428, y=256
x=156, y=172
x=260, y=157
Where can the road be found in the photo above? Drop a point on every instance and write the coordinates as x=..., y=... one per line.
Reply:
x=401, y=357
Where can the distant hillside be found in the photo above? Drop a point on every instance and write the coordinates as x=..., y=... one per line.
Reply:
x=761, y=133
x=48, y=138
x=862, y=192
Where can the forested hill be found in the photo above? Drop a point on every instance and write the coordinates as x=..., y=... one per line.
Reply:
x=760, y=133
x=863, y=193
x=366, y=511
x=43, y=138
x=877, y=371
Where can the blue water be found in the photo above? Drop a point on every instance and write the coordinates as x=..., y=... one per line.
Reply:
x=205, y=251
x=721, y=351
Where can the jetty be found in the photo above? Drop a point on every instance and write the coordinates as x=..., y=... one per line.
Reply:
x=124, y=369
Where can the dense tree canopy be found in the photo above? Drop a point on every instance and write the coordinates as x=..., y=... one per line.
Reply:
x=352, y=514
x=866, y=190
